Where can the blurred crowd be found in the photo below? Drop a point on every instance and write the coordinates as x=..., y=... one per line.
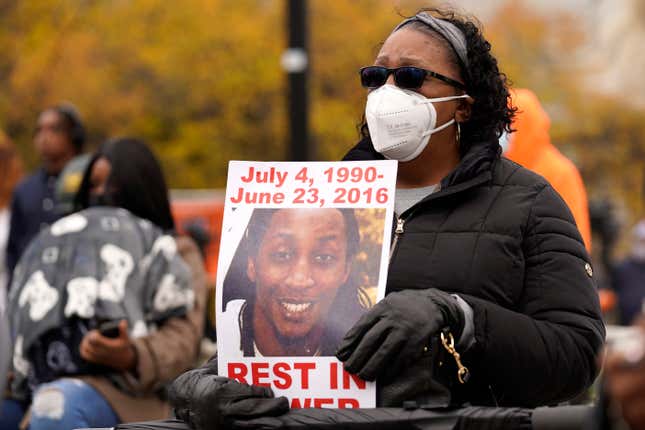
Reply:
x=92, y=237
x=79, y=209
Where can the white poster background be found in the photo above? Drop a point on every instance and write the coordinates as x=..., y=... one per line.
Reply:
x=250, y=185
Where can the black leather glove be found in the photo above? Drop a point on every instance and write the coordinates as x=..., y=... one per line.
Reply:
x=208, y=402
x=396, y=330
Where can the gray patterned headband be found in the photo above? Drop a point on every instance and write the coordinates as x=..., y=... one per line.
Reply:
x=448, y=30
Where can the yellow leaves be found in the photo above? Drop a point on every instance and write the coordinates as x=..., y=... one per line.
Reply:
x=197, y=79
x=604, y=136
x=201, y=81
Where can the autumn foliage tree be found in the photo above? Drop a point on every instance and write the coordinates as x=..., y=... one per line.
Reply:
x=603, y=134
x=200, y=80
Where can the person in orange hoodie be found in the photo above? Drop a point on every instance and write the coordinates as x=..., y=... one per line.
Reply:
x=530, y=145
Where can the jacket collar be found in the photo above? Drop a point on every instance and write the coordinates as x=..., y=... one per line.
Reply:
x=475, y=167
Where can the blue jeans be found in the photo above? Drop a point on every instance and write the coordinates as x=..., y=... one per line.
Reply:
x=67, y=404
x=11, y=413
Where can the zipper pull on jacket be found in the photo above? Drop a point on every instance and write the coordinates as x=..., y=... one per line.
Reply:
x=399, y=225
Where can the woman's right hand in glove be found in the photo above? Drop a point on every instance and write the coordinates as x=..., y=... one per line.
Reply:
x=395, y=331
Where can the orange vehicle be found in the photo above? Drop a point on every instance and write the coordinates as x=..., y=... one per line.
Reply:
x=200, y=210
x=198, y=213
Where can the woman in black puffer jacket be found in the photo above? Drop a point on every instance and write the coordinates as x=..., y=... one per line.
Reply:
x=494, y=235
x=485, y=252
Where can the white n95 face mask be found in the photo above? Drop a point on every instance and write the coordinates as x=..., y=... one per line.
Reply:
x=401, y=121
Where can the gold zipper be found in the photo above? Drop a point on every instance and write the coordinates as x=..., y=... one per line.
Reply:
x=399, y=226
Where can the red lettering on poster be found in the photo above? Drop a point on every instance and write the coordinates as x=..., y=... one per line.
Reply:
x=333, y=376
x=253, y=197
x=262, y=374
x=304, y=372
x=360, y=384
x=283, y=379
x=260, y=371
x=295, y=403
x=237, y=371
x=321, y=402
x=348, y=403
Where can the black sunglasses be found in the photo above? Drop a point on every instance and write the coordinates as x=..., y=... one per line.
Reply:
x=404, y=77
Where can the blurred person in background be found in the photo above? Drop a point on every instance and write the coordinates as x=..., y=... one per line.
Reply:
x=622, y=401
x=605, y=228
x=530, y=145
x=5, y=352
x=197, y=230
x=59, y=136
x=10, y=174
x=629, y=278
x=124, y=174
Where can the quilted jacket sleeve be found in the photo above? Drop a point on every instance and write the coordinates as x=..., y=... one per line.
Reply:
x=545, y=351
x=174, y=348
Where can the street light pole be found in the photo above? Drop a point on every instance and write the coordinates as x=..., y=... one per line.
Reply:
x=295, y=61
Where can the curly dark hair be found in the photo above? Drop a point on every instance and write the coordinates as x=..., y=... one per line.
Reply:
x=491, y=113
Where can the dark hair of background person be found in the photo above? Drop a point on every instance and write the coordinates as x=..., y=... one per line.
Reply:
x=347, y=304
x=491, y=113
x=11, y=170
x=73, y=124
x=136, y=181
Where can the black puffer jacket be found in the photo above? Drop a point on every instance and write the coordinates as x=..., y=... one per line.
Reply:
x=503, y=239
x=500, y=237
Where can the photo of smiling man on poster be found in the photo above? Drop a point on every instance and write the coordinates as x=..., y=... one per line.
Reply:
x=292, y=288
x=304, y=256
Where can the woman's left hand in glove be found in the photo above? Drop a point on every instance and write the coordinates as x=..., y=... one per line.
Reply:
x=206, y=401
x=397, y=329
